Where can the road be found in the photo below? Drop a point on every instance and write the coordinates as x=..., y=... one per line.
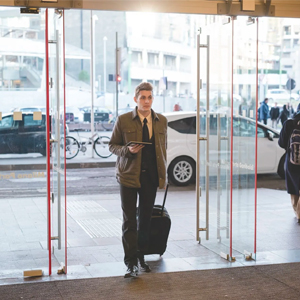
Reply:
x=22, y=184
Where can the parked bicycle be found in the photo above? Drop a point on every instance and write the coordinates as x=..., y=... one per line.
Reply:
x=99, y=143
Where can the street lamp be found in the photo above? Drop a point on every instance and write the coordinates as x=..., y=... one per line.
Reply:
x=94, y=18
x=129, y=70
x=104, y=64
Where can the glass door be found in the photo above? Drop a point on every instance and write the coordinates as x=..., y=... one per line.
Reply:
x=244, y=135
x=214, y=143
x=56, y=109
x=23, y=180
x=227, y=137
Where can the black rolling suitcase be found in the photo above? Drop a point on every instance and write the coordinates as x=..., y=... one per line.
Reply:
x=160, y=228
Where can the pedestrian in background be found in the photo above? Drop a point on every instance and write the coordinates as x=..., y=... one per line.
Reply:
x=274, y=114
x=284, y=115
x=177, y=107
x=258, y=112
x=292, y=171
x=251, y=109
x=290, y=108
x=139, y=170
x=264, y=111
x=243, y=108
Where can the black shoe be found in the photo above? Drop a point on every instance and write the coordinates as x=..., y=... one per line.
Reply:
x=143, y=265
x=132, y=271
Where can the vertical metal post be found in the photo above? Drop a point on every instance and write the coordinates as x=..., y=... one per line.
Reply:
x=104, y=65
x=198, y=142
x=231, y=144
x=64, y=130
x=219, y=175
x=58, y=143
x=93, y=19
x=117, y=83
x=164, y=94
x=199, y=139
x=48, y=126
x=129, y=71
x=255, y=183
x=207, y=141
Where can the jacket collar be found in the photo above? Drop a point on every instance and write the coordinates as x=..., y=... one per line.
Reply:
x=134, y=114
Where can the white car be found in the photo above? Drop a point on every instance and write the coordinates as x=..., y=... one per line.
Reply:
x=30, y=109
x=281, y=96
x=223, y=101
x=181, y=151
x=74, y=114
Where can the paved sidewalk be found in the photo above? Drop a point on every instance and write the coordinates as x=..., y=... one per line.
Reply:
x=94, y=237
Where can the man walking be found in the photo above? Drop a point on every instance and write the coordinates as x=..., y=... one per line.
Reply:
x=140, y=169
x=274, y=114
x=292, y=170
x=264, y=111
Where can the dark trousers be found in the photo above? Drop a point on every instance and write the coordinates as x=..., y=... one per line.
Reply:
x=135, y=236
x=265, y=121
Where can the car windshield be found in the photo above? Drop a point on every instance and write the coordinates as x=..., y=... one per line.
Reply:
x=6, y=122
x=242, y=127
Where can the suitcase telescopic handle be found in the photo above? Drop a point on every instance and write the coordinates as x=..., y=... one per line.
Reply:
x=165, y=197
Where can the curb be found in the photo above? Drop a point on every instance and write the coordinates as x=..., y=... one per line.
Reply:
x=69, y=166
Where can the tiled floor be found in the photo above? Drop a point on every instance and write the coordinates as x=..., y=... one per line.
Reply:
x=92, y=254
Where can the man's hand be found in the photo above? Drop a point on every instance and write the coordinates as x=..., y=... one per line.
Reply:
x=136, y=148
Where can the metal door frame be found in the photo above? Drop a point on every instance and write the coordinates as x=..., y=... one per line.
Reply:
x=49, y=142
x=230, y=142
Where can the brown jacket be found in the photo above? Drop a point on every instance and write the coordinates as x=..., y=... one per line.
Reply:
x=128, y=128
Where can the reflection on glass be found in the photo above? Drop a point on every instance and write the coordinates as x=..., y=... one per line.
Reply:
x=23, y=203
x=243, y=193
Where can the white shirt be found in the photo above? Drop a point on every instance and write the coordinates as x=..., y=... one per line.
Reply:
x=149, y=122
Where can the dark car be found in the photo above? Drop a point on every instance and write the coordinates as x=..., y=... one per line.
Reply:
x=24, y=136
x=101, y=114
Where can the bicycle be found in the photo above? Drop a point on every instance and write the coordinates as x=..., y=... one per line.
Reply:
x=73, y=146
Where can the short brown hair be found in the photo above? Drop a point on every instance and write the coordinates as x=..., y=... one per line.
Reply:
x=144, y=86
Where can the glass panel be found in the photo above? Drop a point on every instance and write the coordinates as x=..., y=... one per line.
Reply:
x=244, y=130
x=217, y=129
x=23, y=202
x=56, y=71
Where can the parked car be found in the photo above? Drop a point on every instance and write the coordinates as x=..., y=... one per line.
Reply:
x=101, y=114
x=30, y=109
x=215, y=103
x=73, y=114
x=281, y=96
x=181, y=152
x=25, y=136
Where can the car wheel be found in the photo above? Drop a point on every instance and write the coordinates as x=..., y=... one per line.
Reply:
x=182, y=171
x=281, y=167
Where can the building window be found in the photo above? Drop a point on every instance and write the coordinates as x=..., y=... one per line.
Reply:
x=288, y=66
x=185, y=64
x=287, y=30
x=296, y=42
x=287, y=44
x=153, y=59
x=136, y=57
x=170, y=61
